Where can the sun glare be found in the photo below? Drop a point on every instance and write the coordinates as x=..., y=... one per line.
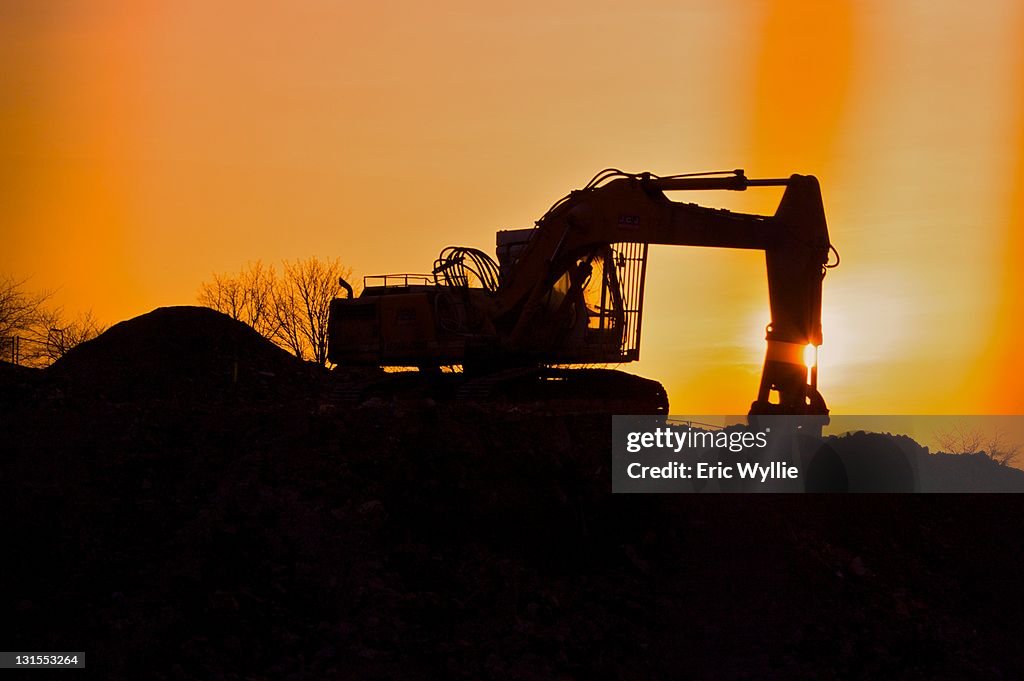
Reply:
x=810, y=355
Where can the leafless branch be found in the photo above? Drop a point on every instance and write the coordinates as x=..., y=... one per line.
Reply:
x=961, y=440
x=20, y=309
x=292, y=309
x=304, y=300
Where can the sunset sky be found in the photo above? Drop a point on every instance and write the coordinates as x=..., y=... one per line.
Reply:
x=147, y=145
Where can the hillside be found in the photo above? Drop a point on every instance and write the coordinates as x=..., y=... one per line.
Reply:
x=177, y=518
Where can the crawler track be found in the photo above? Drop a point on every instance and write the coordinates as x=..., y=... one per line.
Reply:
x=567, y=390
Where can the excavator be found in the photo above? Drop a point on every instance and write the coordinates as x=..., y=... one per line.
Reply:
x=567, y=294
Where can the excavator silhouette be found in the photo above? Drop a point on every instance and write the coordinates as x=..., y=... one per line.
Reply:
x=569, y=292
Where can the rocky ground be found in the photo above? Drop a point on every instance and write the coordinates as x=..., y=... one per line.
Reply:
x=182, y=501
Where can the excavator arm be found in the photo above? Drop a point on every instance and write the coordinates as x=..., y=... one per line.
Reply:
x=635, y=209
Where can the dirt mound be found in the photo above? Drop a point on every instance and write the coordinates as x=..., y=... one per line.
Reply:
x=192, y=352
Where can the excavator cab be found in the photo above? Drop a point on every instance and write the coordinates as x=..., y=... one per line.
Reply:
x=591, y=310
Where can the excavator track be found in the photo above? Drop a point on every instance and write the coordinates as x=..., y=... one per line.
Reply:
x=539, y=388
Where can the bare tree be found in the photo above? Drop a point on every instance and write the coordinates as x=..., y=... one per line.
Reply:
x=962, y=440
x=302, y=305
x=261, y=284
x=247, y=296
x=54, y=335
x=44, y=333
x=1000, y=450
x=291, y=309
x=20, y=309
x=223, y=294
x=287, y=311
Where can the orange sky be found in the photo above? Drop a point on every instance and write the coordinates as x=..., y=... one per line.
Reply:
x=147, y=145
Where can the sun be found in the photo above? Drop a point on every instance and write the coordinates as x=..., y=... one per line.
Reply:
x=810, y=356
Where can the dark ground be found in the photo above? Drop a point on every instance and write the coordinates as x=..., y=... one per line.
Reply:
x=177, y=522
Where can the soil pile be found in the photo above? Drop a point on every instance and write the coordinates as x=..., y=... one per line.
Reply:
x=187, y=352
